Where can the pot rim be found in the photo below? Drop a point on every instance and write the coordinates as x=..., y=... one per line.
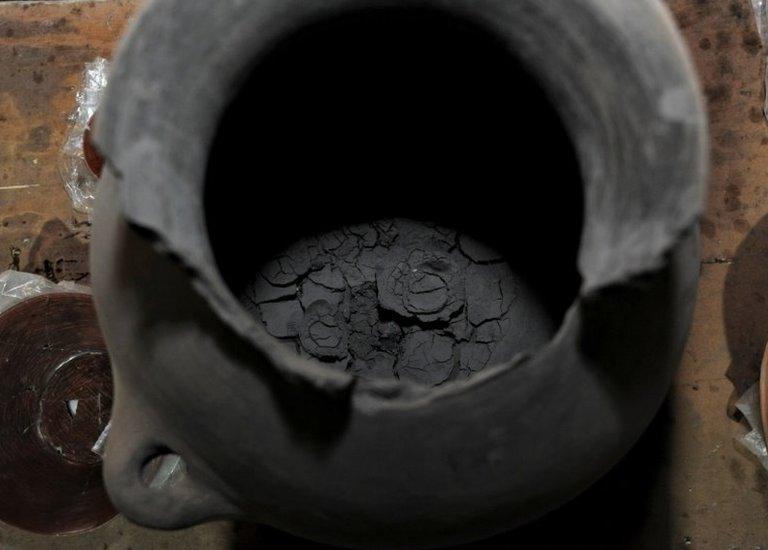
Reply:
x=635, y=117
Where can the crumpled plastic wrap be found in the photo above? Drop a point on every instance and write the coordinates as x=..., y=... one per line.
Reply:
x=760, y=8
x=754, y=441
x=16, y=286
x=78, y=179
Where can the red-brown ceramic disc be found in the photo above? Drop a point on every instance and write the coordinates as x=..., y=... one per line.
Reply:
x=93, y=158
x=55, y=399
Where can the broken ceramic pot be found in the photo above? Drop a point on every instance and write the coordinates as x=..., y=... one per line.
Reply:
x=391, y=273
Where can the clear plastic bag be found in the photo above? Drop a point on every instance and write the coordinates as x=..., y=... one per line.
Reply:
x=759, y=7
x=753, y=441
x=78, y=178
x=16, y=286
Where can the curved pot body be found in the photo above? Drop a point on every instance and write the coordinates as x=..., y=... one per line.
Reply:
x=275, y=438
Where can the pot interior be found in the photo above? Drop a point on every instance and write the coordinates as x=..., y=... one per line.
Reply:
x=392, y=193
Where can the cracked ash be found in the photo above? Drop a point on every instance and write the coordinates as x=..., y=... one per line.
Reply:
x=398, y=299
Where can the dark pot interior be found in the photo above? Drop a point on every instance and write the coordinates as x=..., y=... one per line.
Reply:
x=405, y=142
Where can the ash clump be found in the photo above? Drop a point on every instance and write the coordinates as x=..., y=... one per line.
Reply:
x=398, y=299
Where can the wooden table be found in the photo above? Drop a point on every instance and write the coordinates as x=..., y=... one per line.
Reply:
x=686, y=484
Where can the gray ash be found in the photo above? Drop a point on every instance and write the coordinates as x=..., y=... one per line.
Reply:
x=398, y=298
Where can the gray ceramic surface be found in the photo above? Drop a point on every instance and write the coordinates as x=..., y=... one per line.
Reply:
x=273, y=438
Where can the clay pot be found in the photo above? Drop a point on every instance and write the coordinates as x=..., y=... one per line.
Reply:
x=568, y=136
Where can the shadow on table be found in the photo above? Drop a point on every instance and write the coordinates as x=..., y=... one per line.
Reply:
x=626, y=509
x=745, y=310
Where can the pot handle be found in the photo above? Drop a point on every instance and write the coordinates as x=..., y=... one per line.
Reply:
x=152, y=486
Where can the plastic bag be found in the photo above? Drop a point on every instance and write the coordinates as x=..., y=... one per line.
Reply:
x=759, y=7
x=754, y=441
x=16, y=286
x=78, y=178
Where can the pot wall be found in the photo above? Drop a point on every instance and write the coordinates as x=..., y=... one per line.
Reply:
x=276, y=439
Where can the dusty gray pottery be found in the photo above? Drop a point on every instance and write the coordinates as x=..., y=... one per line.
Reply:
x=231, y=129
